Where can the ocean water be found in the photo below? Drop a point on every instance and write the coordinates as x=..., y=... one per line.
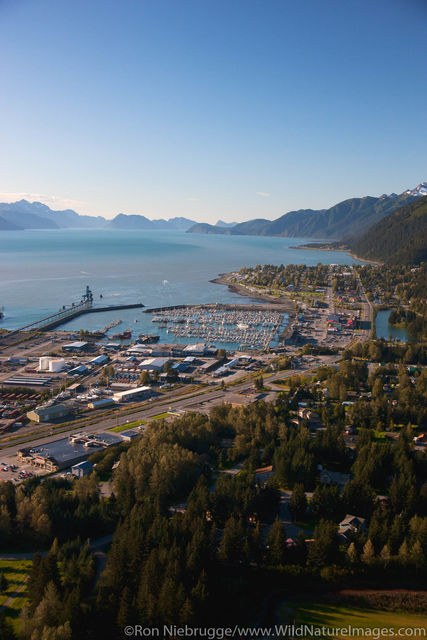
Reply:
x=41, y=270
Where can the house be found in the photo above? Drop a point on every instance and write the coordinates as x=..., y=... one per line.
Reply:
x=263, y=474
x=82, y=469
x=309, y=416
x=421, y=439
x=334, y=477
x=351, y=524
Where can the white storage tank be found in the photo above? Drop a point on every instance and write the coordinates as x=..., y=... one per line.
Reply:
x=44, y=362
x=55, y=366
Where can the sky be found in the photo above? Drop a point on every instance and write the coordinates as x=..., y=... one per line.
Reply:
x=210, y=109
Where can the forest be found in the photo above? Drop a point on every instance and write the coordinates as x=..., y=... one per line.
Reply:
x=193, y=543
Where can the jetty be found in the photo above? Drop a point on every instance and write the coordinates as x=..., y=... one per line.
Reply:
x=72, y=311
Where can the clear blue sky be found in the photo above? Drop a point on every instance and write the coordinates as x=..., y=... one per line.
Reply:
x=208, y=108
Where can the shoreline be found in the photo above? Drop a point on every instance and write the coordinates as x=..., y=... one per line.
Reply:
x=287, y=304
x=376, y=263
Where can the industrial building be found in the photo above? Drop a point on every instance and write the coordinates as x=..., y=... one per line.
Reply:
x=95, y=362
x=209, y=366
x=78, y=371
x=46, y=414
x=195, y=349
x=75, y=347
x=132, y=394
x=101, y=404
x=153, y=364
x=66, y=452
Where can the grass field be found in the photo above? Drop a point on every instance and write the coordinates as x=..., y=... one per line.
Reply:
x=319, y=615
x=128, y=425
x=15, y=571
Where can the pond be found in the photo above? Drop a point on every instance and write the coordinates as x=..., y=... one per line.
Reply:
x=385, y=330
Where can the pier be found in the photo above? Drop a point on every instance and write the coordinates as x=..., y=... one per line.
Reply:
x=73, y=311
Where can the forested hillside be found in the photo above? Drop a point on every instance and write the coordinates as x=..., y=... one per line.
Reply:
x=348, y=218
x=400, y=238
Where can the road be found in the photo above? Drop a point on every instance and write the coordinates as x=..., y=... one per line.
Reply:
x=366, y=314
x=15, y=594
x=189, y=403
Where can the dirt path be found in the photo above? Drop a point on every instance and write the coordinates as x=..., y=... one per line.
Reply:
x=16, y=593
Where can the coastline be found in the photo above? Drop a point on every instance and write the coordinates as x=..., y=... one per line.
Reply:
x=287, y=304
x=347, y=251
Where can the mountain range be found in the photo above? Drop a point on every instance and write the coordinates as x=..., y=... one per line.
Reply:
x=35, y=215
x=346, y=219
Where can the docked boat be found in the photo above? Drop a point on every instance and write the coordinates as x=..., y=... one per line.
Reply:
x=122, y=336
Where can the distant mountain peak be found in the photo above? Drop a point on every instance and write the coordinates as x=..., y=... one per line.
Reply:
x=419, y=191
x=221, y=223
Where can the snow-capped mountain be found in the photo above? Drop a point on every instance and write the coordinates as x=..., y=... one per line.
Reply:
x=419, y=191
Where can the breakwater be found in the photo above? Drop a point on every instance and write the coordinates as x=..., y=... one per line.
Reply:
x=57, y=319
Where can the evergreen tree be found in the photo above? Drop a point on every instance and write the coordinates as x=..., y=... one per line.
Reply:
x=368, y=555
x=298, y=502
x=276, y=543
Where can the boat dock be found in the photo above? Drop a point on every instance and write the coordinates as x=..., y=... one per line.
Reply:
x=248, y=326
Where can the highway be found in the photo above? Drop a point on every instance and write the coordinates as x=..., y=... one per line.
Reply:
x=188, y=403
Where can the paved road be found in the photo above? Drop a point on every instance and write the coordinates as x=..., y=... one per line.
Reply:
x=366, y=315
x=186, y=403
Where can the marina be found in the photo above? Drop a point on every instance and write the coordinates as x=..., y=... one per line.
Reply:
x=243, y=327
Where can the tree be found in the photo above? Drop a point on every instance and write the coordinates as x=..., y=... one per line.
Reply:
x=324, y=550
x=298, y=502
x=368, y=555
x=358, y=498
x=417, y=557
x=352, y=554
x=385, y=556
x=326, y=502
x=231, y=547
x=259, y=383
x=3, y=582
x=221, y=354
x=276, y=543
x=144, y=378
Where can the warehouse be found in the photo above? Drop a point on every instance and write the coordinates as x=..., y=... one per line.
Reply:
x=75, y=347
x=153, y=364
x=195, y=349
x=78, y=371
x=46, y=414
x=98, y=360
x=209, y=366
x=132, y=394
x=66, y=452
x=101, y=404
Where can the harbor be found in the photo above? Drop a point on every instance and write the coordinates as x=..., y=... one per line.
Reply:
x=240, y=326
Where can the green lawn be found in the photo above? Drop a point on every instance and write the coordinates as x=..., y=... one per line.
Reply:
x=15, y=571
x=341, y=616
x=128, y=425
